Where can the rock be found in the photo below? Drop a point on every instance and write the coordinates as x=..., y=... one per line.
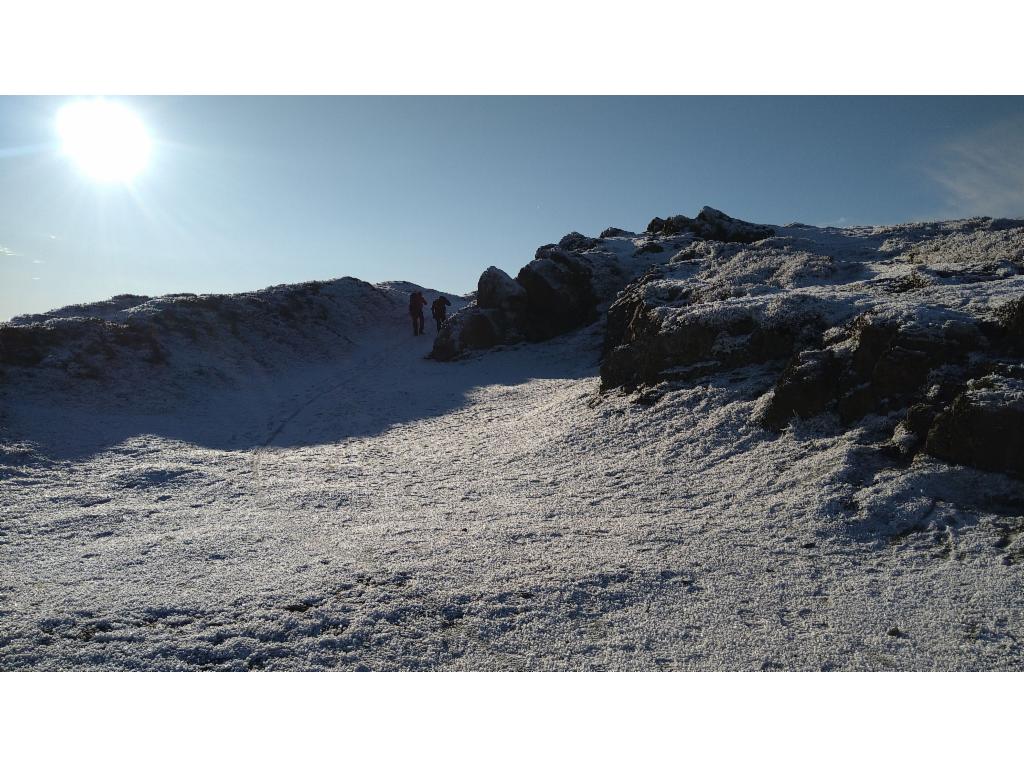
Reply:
x=653, y=348
x=984, y=427
x=673, y=225
x=805, y=388
x=1010, y=322
x=876, y=366
x=496, y=290
x=710, y=224
x=615, y=232
x=575, y=242
x=472, y=328
x=559, y=296
x=649, y=246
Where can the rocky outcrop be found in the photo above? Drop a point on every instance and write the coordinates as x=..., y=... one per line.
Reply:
x=711, y=224
x=552, y=294
x=496, y=290
x=984, y=426
x=871, y=366
x=645, y=345
x=920, y=327
x=616, y=232
x=568, y=282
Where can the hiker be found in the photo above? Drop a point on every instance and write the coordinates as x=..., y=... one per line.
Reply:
x=416, y=305
x=439, y=309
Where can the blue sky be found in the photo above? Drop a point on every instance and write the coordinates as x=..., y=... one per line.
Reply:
x=241, y=193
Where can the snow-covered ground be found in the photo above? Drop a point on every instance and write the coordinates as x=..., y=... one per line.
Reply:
x=378, y=510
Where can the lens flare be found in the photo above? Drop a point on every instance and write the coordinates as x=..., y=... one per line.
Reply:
x=106, y=140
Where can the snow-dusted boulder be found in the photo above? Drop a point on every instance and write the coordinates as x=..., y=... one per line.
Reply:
x=710, y=224
x=616, y=232
x=496, y=290
x=984, y=426
x=891, y=323
x=559, y=296
x=473, y=328
x=569, y=283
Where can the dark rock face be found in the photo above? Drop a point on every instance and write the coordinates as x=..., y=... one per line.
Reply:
x=559, y=296
x=874, y=366
x=550, y=295
x=983, y=427
x=673, y=225
x=711, y=224
x=650, y=350
x=919, y=327
x=562, y=287
x=804, y=389
x=615, y=232
x=650, y=247
x=496, y=290
x=715, y=225
x=575, y=242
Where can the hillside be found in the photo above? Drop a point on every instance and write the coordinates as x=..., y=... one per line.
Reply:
x=709, y=445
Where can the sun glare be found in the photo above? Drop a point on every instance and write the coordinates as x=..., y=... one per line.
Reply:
x=106, y=140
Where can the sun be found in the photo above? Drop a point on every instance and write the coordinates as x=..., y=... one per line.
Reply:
x=105, y=139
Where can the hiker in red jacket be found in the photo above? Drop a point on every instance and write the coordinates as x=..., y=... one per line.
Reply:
x=416, y=305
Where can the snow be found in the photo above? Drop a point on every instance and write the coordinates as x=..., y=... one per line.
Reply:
x=362, y=507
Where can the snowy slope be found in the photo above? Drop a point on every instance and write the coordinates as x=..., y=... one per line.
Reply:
x=367, y=508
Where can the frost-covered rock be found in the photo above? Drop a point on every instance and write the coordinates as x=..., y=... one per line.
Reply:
x=568, y=284
x=984, y=426
x=883, y=322
x=710, y=224
x=496, y=290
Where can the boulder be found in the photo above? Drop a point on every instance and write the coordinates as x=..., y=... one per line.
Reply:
x=673, y=225
x=807, y=385
x=983, y=427
x=710, y=224
x=574, y=242
x=559, y=296
x=496, y=290
x=615, y=232
x=472, y=328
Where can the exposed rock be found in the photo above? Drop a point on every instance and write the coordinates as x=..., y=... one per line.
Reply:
x=496, y=290
x=650, y=246
x=574, y=242
x=711, y=224
x=984, y=426
x=567, y=281
x=873, y=366
x=644, y=344
x=805, y=388
x=473, y=328
x=889, y=323
x=559, y=296
x=673, y=225
x=616, y=232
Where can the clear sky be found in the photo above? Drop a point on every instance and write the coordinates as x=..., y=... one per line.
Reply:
x=241, y=193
